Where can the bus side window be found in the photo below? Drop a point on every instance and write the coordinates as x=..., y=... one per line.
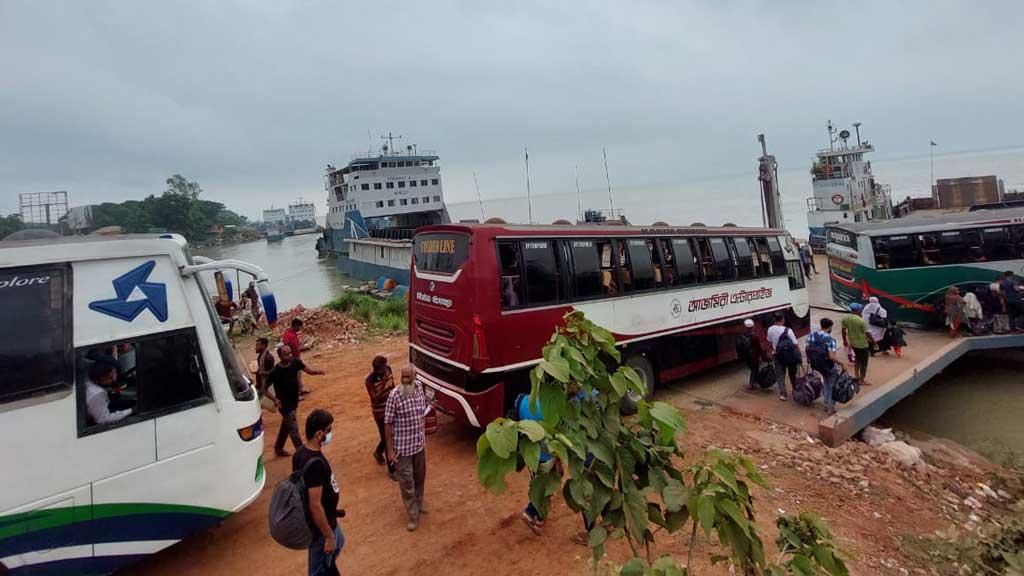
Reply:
x=1017, y=237
x=586, y=265
x=928, y=245
x=706, y=260
x=901, y=252
x=881, y=248
x=659, y=275
x=144, y=378
x=668, y=268
x=795, y=273
x=686, y=261
x=744, y=259
x=972, y=242
x=723, y=259
x=542, y=275
x=764, y=255
x=953, y=248
x=778, y=260
x=997, y=244
x=511, y=275
x=640, y=264
x=609, y=283
x=622, y=255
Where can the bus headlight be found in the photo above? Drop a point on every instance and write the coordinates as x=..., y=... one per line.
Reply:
x=252, y=432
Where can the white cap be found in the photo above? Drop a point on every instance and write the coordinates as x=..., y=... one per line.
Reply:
x=748, y=323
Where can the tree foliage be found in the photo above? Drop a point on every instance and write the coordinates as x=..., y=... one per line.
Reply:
x=178, y=209
x=624, y=475
x=10, y=224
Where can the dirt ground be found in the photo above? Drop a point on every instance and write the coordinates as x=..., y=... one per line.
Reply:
x=469, y=531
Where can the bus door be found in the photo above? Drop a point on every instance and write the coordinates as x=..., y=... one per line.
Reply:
x=143, y=392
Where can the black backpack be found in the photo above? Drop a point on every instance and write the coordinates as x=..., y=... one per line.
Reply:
x=817, y=354
x=765, y=377
x=786, y=350
x=875, y=319
x=287, y=517
x=743, y=347
x=844, y=388
x=808, y=388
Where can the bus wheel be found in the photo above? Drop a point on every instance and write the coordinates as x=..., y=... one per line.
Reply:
x=642, y=365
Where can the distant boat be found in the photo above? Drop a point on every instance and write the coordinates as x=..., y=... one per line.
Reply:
x=375, y=203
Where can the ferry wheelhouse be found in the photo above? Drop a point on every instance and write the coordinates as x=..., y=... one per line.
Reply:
x=485, y=298
x=910, y=263
x=375, y=203
x=844, y=187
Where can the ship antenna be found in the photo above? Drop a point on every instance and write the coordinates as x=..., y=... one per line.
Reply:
x=579, y=206
x=478, y=198
x=611, y=201
x=529, y=199
x=391, y=140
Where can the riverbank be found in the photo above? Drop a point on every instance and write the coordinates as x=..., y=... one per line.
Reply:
x=873, y=504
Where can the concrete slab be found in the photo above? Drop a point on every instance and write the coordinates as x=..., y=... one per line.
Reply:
x=889, y=379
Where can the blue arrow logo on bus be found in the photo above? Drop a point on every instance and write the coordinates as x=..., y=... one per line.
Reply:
x=124, y=285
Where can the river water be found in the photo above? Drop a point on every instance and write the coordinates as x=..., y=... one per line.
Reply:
x=297, y=276
x=977, y=402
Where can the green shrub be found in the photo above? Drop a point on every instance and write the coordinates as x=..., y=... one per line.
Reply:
x=391, y=315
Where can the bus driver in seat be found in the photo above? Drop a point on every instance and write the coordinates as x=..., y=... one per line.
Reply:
x=102, y=375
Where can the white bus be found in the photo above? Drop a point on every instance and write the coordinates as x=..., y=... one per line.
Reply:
x=184, y=447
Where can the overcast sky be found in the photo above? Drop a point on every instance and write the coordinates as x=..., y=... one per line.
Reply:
x=253, y=99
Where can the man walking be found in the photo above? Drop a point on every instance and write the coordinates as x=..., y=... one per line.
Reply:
x=254, y=300
x=857, y=337
x=1011, y=295
x=406, y=438
x=808, y=254
x=322, y=495
x=290, y=338
x=264, y=364
x=785, y=352
x=804, y=260
x=750, y=350
x=285, y=379
x=379, y=384
x=821, y=355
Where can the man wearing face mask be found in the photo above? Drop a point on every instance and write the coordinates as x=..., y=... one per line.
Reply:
x=405, y=436
x=322, y=496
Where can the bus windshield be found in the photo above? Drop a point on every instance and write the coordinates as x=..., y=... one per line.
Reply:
x=35, y=349
x=440, y=252
x=238, y=377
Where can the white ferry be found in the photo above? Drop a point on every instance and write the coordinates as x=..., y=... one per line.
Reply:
x=375, y=203
x=844, y=187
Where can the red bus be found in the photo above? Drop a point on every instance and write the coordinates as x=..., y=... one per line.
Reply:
x=485, y=298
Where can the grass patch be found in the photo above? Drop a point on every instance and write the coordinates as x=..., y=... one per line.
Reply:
x=391, y=315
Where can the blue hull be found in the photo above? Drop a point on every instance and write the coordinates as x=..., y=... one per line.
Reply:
x=371, y=272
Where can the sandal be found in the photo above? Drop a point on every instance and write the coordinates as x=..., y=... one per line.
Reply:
x=530, y=523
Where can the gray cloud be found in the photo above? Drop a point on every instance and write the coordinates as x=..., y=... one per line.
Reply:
x=106, y=99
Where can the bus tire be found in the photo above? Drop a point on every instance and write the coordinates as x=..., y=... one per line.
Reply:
x=642, y=364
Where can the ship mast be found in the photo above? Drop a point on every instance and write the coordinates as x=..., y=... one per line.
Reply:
x=771, y=196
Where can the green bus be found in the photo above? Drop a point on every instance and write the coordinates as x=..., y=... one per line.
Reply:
x=910, y=263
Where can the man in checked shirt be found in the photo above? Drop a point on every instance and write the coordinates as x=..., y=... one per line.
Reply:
x=404, y=432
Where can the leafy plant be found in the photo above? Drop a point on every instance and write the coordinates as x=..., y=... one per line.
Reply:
x=625, y=474
x=720, y=501
x=805, y=544
x=391, y=315
x=997, y=548
x=621, y=475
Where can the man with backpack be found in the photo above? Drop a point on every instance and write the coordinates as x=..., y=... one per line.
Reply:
x=322, y=495
x=857, y=338
x=750, y=350
x=821, y=355
x=785, y=352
